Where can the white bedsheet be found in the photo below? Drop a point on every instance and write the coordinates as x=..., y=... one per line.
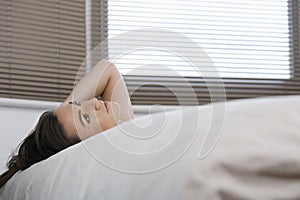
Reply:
x=256, y=157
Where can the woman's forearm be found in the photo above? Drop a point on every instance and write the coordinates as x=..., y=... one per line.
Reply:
x=92, y=84
x=104, y=80
x=116, y=92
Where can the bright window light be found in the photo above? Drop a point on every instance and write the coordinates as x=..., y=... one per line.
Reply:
x=244, y=39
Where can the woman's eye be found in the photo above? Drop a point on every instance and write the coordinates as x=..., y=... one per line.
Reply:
x=87, y=118
x=77, y=103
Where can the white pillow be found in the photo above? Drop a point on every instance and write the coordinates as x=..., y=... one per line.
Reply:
x=173, y=155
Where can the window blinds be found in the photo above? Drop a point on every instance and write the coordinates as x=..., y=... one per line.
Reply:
x=42, y=45
x=254, y=45
x=96, y=31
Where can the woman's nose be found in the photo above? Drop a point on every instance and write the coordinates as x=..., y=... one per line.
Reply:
x=97, y=104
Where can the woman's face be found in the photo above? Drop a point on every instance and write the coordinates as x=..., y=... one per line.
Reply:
x=86, y=118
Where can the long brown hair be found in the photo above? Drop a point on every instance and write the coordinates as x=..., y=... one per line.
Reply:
x=47, y=138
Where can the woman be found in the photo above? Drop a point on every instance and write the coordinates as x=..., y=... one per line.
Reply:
x=80, y=116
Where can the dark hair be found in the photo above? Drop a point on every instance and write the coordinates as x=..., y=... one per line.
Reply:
x=47, y=139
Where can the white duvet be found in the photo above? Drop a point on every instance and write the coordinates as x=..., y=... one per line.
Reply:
x=174, y=155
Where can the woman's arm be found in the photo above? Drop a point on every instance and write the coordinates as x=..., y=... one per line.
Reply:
x=104, y=80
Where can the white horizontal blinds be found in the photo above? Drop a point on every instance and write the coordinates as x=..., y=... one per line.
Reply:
x=249, y=42
x=42, y=48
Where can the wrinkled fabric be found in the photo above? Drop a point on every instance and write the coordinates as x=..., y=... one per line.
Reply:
x=256, y=157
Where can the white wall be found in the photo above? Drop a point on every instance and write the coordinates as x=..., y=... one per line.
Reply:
x=15, y=124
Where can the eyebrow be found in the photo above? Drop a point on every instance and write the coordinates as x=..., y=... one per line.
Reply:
x=74, y=103
x=79, y=115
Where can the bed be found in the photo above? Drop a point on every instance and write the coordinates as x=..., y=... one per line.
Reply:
x=242, y=149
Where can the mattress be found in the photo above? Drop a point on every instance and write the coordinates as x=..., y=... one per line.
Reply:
x=242, y=149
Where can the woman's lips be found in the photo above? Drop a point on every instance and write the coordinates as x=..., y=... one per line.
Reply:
x=106, y=104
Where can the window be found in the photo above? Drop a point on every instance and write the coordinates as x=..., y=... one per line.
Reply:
x=244, y=39
x=42, y=46
x=254, y=45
